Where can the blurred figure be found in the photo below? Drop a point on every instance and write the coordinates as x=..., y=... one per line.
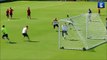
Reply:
x=89, y=14
x=55, y=23
x=11, y=12
x=28, y=13
x=64, y=30
x=24, y=32
x=5, y=34
x=7, y=13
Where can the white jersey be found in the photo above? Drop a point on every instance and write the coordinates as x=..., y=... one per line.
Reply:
x=55, y=22
x=24, y=30
x=64, y=28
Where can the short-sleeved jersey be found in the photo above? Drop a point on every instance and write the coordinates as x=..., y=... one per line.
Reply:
x=11, y=11
x=64, y=28
x=4, y=31
x=28, y=11
x=24, y=30
x=7, y=12
x=55, y=22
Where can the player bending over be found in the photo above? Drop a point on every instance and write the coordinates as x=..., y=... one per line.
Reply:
x=28, y=13
x=55, y=23
x=64, y=30
x=24, y=32
x=5, y=34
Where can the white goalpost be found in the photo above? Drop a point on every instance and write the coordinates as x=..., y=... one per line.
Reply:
x=83, y=34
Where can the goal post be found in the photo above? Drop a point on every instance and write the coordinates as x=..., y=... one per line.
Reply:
x=82, y=33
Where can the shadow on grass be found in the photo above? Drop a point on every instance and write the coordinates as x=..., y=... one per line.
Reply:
x=33, y=18
x=14, y=19
x=12, y=42
x=34, y=41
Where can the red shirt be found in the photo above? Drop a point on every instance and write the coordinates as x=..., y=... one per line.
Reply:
x=7, y=12
x=11, y=11
x=28, y=12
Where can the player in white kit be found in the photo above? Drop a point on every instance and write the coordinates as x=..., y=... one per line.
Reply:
x=24, y=32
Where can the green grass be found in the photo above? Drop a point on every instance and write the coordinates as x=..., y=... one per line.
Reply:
x=41, y=30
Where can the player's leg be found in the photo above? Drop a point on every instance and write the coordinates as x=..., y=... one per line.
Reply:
x=66, y=32
x=29, y=16
x=57, y=25
x=54, y=26
x=3, y=36
x=89, y=17
x=11, y=15
x=27, y=36
x=62, y=33
x=7, y=15
x=7, y=37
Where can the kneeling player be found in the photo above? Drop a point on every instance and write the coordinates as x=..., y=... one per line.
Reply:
x=24, y=32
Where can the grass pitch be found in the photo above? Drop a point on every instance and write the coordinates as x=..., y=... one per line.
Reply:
x=44, y=45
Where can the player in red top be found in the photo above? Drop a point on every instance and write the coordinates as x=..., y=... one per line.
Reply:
x=28, y=13
x=11, y=12
x=7, y=13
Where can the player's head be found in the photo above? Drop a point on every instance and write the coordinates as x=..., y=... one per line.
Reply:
x=27, y=26
x=10, y=8
x=67, y=15
x=89, y=9
x=3, y=26
x=55, y=18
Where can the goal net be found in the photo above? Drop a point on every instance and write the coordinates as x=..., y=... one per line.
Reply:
x=84, y=32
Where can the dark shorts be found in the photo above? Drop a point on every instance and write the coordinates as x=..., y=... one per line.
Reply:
x=25, y=34
x=5, y=35
x=56, y=25
x=64, y=32
x=28, y=14
x=11, y=14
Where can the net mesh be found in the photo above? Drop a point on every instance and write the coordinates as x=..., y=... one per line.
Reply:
x=83, y=31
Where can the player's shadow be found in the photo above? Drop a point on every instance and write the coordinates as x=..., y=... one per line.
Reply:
x=12, y=42
x=34, y=41
x=14, y=18
x=33, y=19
